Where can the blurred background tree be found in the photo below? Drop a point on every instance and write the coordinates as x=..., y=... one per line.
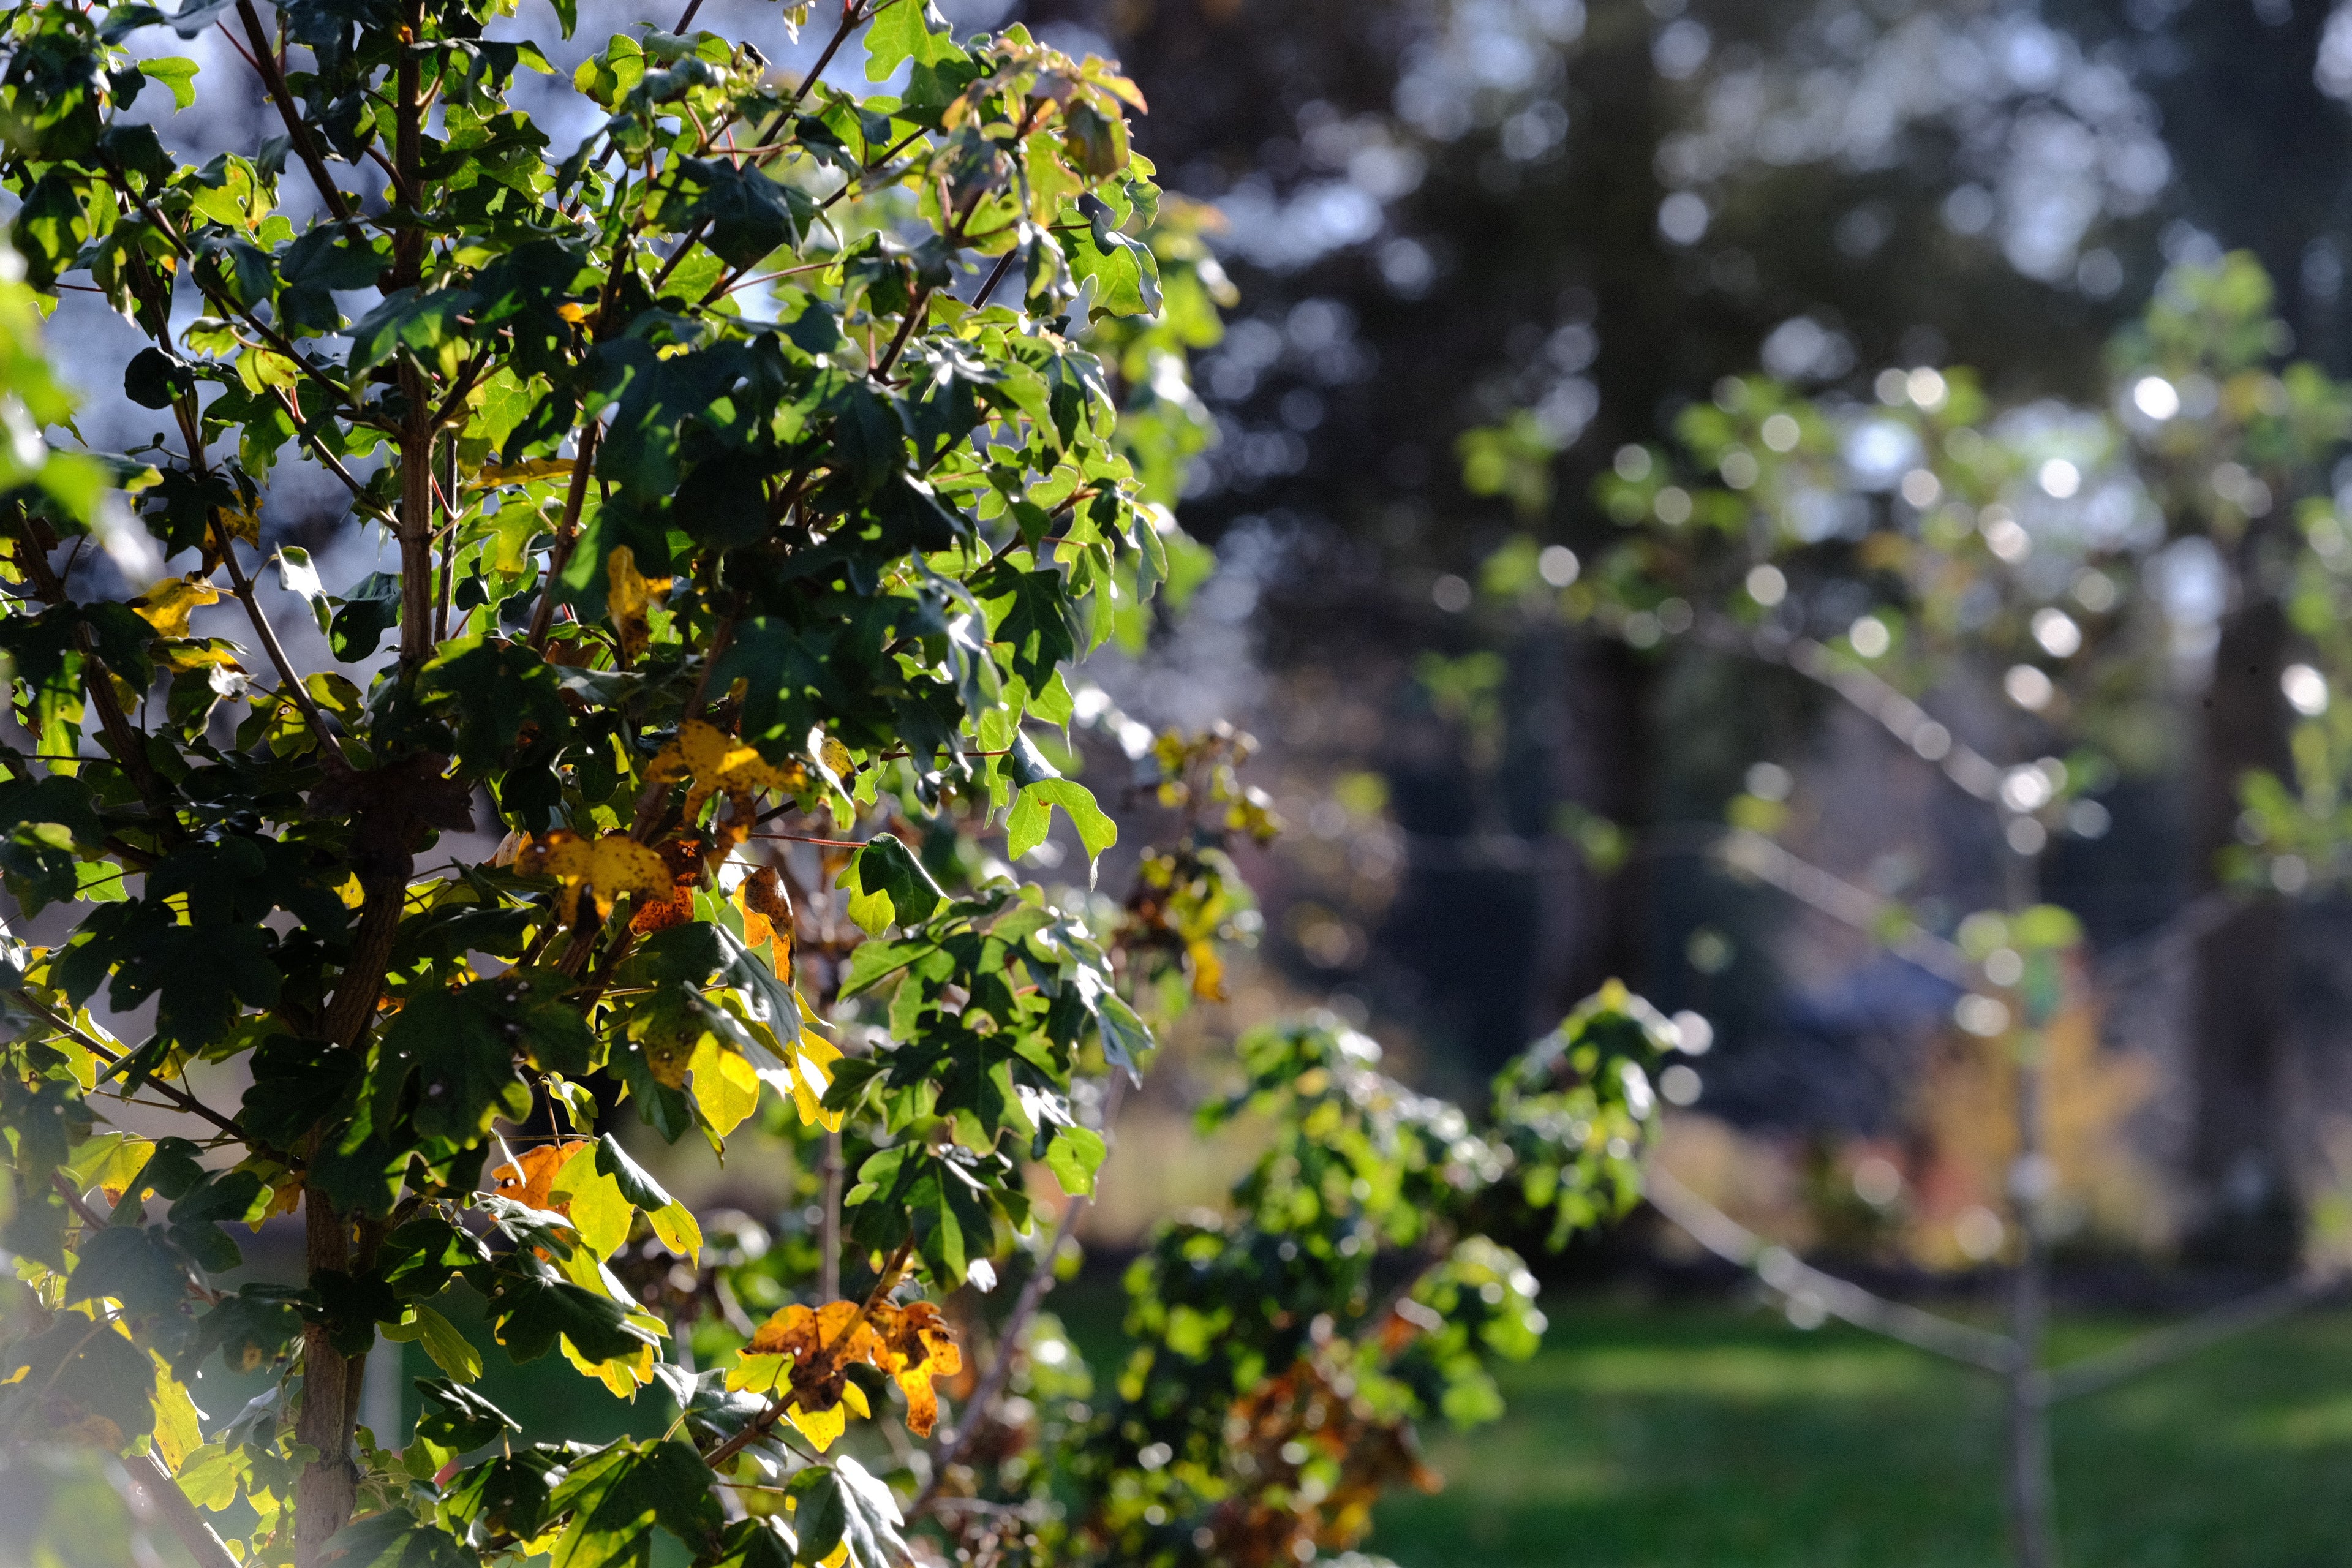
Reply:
x=1443, y=215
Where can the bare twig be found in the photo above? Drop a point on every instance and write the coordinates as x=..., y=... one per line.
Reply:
x=1789, y=1275
x=2094, y=1374
x=264, y=61
x=180, y=1097
x=331, y=750
x=157, y=1485
x=567, y=532
x=1900, y=717
x=1756, y=855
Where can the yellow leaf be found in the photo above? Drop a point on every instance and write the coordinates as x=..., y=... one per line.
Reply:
x=612, y=866
x=1208, y=972
x=167, y=605
x=198, y=653
x=179, y=1424
x=597, y=1209
x=624, y=1375
x=726, y=1086
x=822, y=1429
x=110, y=1161
x=811, y=1057
x=675, y=1224
x=492, y=474
x=715, y=760
x=855, y=1398
x=628, y=595
x=211, y=1475
x=756, y=1373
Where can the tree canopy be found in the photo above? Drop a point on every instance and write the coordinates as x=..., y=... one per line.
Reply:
x=753, y=474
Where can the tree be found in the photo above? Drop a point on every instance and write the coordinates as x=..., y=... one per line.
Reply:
x=757, y=470
x=1983, y=584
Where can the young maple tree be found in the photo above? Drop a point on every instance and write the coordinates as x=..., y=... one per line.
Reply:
x=756, y=469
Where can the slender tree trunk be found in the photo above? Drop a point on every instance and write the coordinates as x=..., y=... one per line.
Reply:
x=2033, y=1536
x=2033, y=1532
x=2248, y=1216
x=324, y=1491
x=331, y=1382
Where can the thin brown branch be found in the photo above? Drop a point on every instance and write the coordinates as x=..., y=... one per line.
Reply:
x=156, y=1484
x=833, y=1168
x=331, y=750
x=567, y=532
x=180, y=1098
x=1758, y=857
x=89, y=1216
x=264, y=61
x=806, y=838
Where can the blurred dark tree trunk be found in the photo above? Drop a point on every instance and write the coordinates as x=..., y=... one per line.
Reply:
x=2247, y=1213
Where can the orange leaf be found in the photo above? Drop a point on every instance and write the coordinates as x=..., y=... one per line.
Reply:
x=532, y=1183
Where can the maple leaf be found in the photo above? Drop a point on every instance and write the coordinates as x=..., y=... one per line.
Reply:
x=167, y=605
x=530, y=1178
x=628, y=595
x=606, y=867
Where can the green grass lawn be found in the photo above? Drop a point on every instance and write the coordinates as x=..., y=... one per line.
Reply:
x=1707, y=1437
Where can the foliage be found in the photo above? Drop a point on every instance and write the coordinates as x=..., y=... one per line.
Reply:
x=1287, y=1349
x=756, y=469
x=1898, y=550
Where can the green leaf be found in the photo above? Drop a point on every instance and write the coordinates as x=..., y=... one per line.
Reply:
x=619, y=1494
x=75, y=1370
x=249, y=1328
x=530, y=1311
x=368, y=610
x=753, y=1543
x=509, y=1494
x=173, y=71
x=397, y=1539
x=1123, y=272
x=907, y=30
x=295, y=1082
x=750, y=214
x=451, y=1351
x=1074, y=1156
x=1029, y=612
x=844, y=1504
x=463, y=1054
x=297, y=575
x=136, y=1266
x=458, y=1418
x=493, y=687
x=636, y=1186
x=1026, y=826
x=885, y=882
